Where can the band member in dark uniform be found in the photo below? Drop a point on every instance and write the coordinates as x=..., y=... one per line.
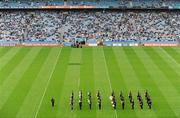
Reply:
x=90, y=103
x=99, y=103
x=80, y=100
x=138, y=95
x=130, y=96
x=149, y=103
x=72, y=100
x=148, y=99
x=131, y=99
x=98, y=94
x=146, y=94
x=80, y=103
x=72, y=95
x=123, y=104
x=98, y=99
x=113, y=100
x=71, y=104
x=140, y=100
x=122, y=100
x=52, y=102
x=89, y=94
x=141, y=104
x=132, y=104
x=89, y=99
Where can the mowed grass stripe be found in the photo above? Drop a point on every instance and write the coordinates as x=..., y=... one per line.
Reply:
x=153, y=81
x=75, y=61
x=87, y=83
x=171, y=76
x=169, y=60
x=11, y=65
x=117, y=80
x=102, y=83
x=129, y=76
x=7, y=57
x=33, y=97
x=14, y=102
x=161, y=81
x=169, y=55
x=13, y=78
x=55, y=86
x=132, y=81
x=4, y=51
x=165, y=95
x=165, y=67
x=144, y=79
x=173, y=53
x=72, y=76
x=114, y=71
x=47, y=84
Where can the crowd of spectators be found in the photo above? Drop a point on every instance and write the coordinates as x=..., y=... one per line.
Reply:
x=66, y=26
x=29, y=3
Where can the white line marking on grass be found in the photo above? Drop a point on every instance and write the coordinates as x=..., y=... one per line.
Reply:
x=108, y=77
x=47, y=84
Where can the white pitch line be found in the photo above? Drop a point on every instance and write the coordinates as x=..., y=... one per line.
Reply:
x=47, y=85
x=108, y=77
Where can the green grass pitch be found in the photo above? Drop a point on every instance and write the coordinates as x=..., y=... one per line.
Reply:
x=30, y=76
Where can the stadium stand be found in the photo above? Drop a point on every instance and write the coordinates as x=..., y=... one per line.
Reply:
x=97, y=3
x=107, y=26
x=29, y=3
